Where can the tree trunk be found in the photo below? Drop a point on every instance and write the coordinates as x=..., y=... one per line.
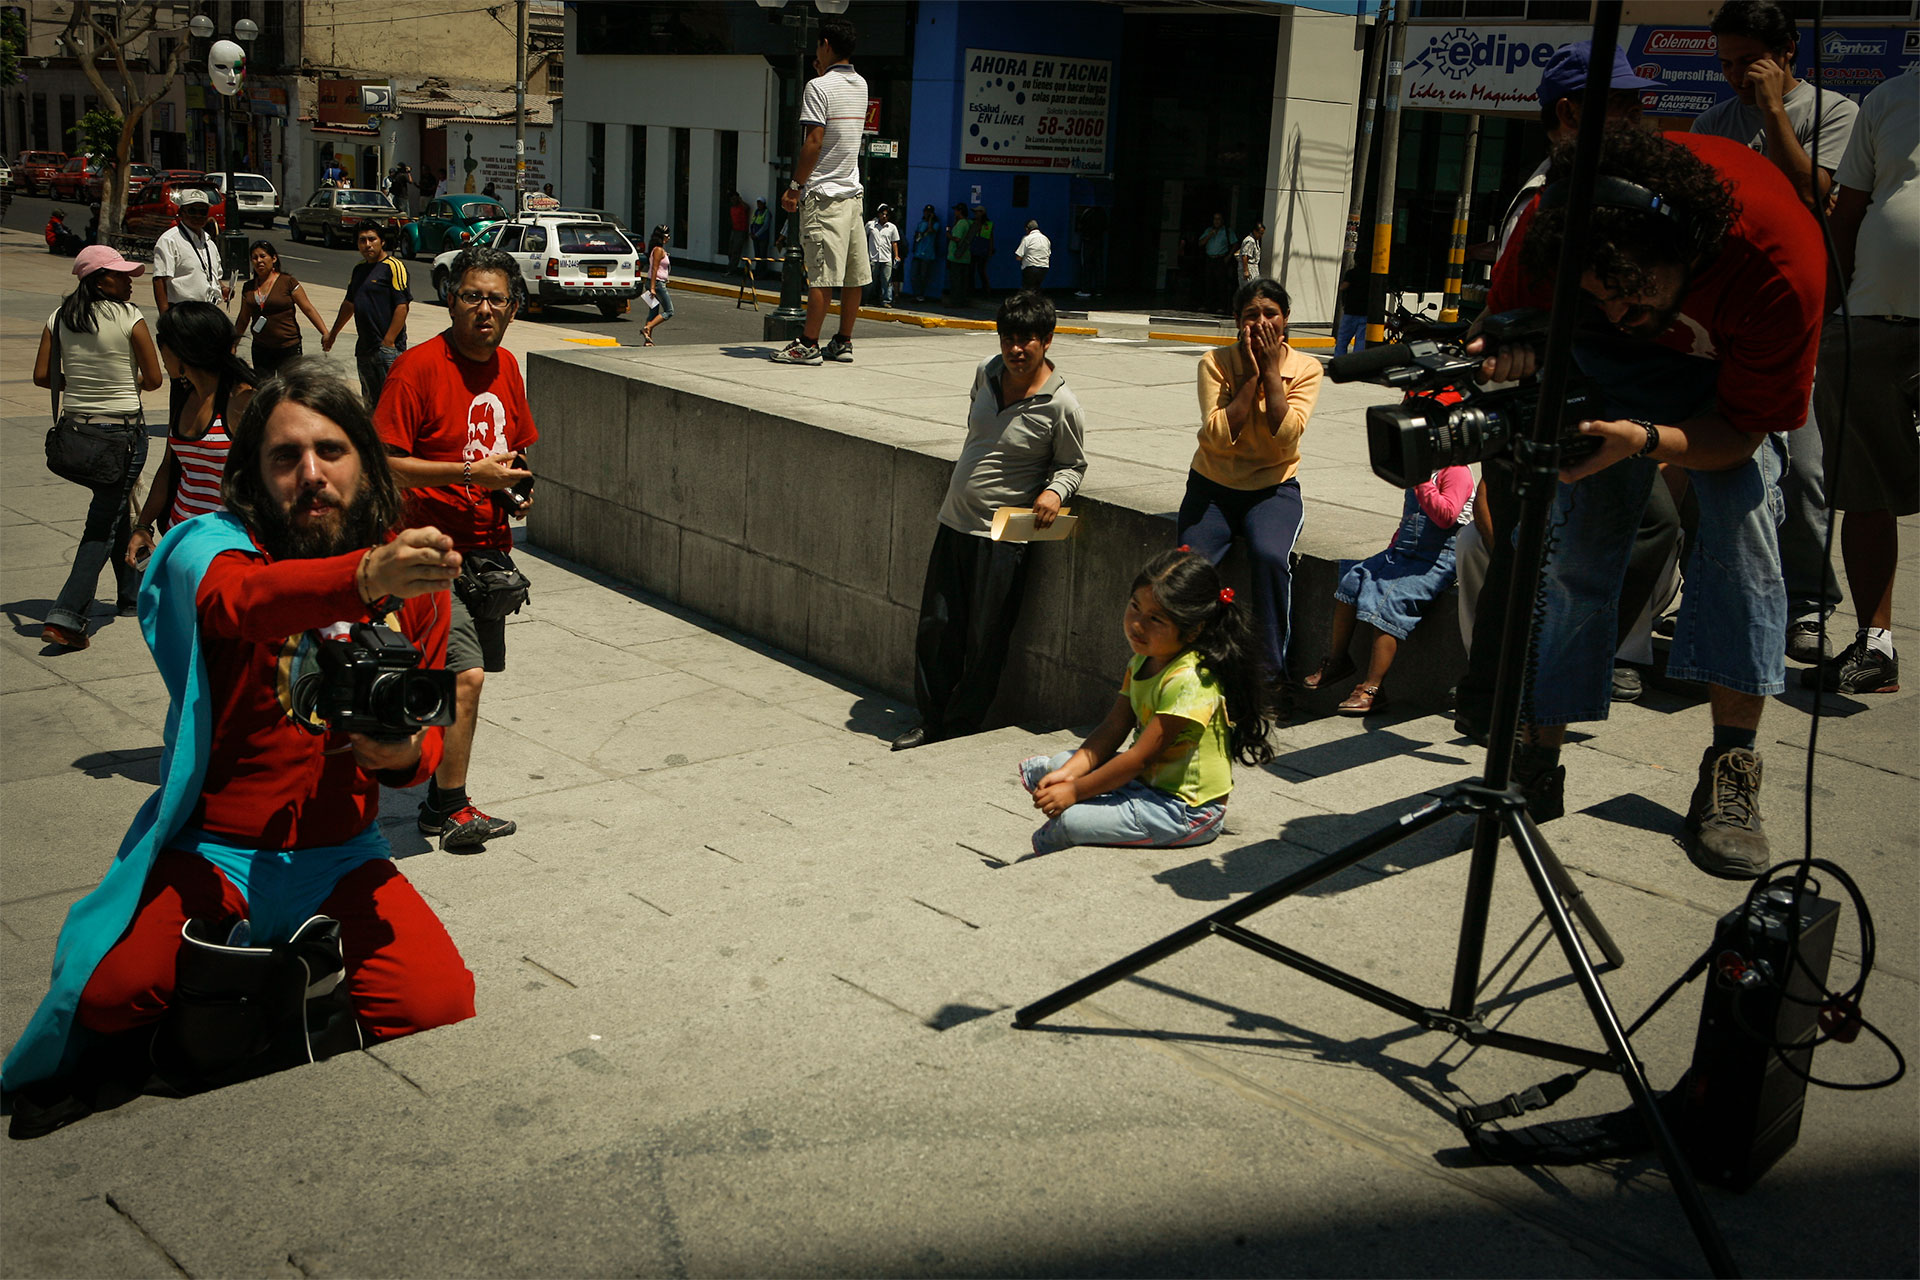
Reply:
x=113, y=198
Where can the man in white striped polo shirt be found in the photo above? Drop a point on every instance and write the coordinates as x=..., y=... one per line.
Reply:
x=832, y=232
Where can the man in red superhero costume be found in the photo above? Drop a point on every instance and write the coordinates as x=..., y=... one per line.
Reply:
x=262, y=815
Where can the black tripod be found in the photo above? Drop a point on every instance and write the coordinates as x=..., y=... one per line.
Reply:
x=1500, y=806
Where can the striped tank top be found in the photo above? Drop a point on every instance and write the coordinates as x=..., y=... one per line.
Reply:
x=200, y=464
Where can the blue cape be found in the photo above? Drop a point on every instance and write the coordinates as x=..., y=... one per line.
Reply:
x=282, y=887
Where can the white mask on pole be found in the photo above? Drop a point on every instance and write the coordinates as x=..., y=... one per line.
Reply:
x=226, y=65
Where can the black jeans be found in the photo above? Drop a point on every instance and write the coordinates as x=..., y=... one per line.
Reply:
x=1031, y=277
x=108, y=529
x=268, y=359
x=967, y=611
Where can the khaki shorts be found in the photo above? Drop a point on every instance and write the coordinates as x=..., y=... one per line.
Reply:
x=834, y=241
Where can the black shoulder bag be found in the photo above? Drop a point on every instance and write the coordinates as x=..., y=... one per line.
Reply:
x=83, y=451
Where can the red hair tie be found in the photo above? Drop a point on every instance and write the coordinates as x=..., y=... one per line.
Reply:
x=1226, y=595
x=1183, y=547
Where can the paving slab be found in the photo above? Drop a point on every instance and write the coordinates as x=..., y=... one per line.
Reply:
x=746, y=978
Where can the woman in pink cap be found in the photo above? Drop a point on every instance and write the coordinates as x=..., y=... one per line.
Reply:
x=106, y=358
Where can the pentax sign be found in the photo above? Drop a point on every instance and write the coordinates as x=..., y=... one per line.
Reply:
x=1028, y=111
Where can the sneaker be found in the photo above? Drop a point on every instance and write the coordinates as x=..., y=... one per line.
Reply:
x=838, y=348
x=1860, y=668
x=796, y=352
x=1723, y=835
x=65, y=637
x=1626, y=683
x=465, y=828
x=1805, y=643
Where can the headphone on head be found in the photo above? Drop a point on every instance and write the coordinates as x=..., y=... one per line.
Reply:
x=1610, y=192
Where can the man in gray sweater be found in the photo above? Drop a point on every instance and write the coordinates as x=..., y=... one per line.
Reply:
x=1025, y=447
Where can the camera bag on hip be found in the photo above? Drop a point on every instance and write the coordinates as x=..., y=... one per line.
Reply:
x=240, y=1011
x=87, y=453
x=490, y=586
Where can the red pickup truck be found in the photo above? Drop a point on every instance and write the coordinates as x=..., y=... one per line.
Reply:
x=33, y=171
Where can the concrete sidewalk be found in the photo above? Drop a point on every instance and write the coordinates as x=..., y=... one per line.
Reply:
x=746, y=980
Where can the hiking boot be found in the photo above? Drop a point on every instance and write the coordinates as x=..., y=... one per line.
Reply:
x=1860, y=668
x=1723, y=835
x=1805, y=643
x=797, y=352
x=838, y=348
x=465, y=828
x=1546, y=793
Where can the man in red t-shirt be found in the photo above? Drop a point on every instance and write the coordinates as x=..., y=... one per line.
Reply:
x=455, y=420
x=1703, y=295
x=309, y=482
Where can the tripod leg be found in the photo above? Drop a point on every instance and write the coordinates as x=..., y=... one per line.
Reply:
x=1571, y=893
x=1533, y=856
x=1311, y=874
x=1473, y=921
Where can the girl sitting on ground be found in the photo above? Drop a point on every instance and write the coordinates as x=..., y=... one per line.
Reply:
x=1195, y=697
x=1390, y=590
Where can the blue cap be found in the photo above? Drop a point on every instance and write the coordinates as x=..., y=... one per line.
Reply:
x=1566, y=73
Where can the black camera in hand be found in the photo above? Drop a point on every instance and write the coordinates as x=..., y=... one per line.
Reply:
x=1446, y=420
x=515, y=499
x=370, y=681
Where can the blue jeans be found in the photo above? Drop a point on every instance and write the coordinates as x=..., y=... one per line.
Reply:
x=882, y=284
x=1270, y=519
x=1134, y=816
x=1735, y=613
x=373, y=367
x=108, y=529
x=1352, y=334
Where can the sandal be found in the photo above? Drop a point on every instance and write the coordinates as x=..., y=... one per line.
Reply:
x=646, y=340
x=1332, y=667
x=1364, y=700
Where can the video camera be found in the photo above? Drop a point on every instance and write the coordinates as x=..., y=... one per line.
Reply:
x=369, y=681
x=1446, y=420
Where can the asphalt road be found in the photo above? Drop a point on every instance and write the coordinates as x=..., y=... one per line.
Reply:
x=698, y=318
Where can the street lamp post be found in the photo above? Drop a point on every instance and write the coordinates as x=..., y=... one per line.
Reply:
x=789, y=320
x=227, y=69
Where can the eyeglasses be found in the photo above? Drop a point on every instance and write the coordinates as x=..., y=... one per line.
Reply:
x=474, y=298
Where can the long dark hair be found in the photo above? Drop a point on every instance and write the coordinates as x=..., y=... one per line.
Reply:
x=1187, y=586
x=201, y=337
x=658, y=238
x=377, y=509
x=76, y=309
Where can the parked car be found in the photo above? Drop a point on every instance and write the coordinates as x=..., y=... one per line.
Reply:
x=565, y=260
x=6, y=176
x=334, y=216
x=33, y=171
x=259, y=199
x=75, y=179
x=138, y=176
x=156, y=206
x=450, y=222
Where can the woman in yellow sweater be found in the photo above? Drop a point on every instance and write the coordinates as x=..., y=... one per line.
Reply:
x=1255, y=398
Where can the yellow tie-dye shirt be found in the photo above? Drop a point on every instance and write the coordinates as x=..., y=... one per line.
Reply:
x=1197, y=764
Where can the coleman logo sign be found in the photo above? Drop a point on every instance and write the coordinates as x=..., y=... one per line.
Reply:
x=1683, y=42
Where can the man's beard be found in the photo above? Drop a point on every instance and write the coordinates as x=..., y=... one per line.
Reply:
x=351, y=531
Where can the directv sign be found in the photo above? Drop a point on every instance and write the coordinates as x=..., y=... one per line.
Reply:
x=376, y=99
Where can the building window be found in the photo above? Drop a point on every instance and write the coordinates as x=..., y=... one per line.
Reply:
x=597, y=166
x=637, y=177
x=682, y=179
